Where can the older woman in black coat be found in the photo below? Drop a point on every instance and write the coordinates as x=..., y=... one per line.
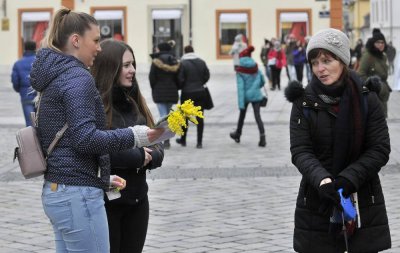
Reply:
x=339, y=139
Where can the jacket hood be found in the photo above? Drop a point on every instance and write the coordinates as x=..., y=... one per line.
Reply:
x=50, y=64
x=247, y=62
x=189, y=56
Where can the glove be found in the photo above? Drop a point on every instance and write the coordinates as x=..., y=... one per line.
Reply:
x=346, y=185
x=374, y=83
x=329, y=198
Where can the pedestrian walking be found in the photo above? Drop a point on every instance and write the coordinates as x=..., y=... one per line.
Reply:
x=299, y=59
x=20, y=80
x=193, y=75
x=276, y=61
x=339, y=140
x=291, y=45
x=374, y=64
x=238, y=46
x=163, y=77
x=78, y=169
x=268, y=45
x=114, y=72
x=249, y=82
x=391, y=55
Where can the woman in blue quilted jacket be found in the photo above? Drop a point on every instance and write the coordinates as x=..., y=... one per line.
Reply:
x=78, y=169
x=249, y=82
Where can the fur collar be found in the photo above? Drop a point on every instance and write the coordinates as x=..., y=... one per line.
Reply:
x=168, y=68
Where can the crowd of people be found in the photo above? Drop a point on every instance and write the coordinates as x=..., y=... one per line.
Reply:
x=338, y=132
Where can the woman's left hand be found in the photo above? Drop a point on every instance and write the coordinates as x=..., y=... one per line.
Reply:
x=117, y=182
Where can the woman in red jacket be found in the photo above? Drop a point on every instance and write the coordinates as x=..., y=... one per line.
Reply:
x=276, y=61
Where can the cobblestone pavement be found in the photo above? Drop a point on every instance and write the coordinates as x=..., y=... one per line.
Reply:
x=226, y=197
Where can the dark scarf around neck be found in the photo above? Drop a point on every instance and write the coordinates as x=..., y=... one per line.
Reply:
x=349, y=127
x=244, y=70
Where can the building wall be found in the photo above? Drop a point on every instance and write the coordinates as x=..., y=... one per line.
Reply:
x=385, y=16
x=139, y=22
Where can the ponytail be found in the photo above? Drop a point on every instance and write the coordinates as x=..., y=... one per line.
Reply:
x=65, y=23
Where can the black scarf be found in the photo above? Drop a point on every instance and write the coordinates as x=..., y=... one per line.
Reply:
x=347, y=103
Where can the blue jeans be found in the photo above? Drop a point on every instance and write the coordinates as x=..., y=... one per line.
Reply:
x=78, y=217
x=164, y=108
x=28, y=106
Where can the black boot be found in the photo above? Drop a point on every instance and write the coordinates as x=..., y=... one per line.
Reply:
x=262, y=142
x=181, y=141
x=235, y=135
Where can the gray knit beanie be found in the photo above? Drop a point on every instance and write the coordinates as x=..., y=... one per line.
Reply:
x=334, y=41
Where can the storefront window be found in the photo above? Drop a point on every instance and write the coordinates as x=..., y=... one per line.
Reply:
x=296, y=23
x=230, y=24
x=34, y=25
x=167, y=25
x=112, y=23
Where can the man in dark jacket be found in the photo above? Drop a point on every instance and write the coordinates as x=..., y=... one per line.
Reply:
x=163, y=80
x=193, y=75
x=21, y=82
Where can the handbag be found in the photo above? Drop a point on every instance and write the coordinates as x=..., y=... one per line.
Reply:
x=264, y=101
x=31, y=159
x=208, y=102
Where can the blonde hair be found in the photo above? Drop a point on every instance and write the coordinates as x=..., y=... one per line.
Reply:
x=64, y=23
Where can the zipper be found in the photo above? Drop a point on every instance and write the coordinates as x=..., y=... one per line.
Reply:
x=371, y=192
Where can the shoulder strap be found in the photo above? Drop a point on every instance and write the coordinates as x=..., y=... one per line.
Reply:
x=59, y=135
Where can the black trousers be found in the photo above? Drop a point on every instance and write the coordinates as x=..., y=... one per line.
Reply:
x=128, y=226
x=257, y=116
x=198, y=99
x=276, y=77
x=299, y=72
x=200, y=129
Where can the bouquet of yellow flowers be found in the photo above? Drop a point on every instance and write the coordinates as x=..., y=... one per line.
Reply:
x=186, y=111
x=174, y=122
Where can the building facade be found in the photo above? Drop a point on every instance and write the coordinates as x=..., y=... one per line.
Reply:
x=209, y=25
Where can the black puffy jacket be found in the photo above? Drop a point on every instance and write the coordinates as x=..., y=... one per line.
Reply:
x=163, y=78
x=128, y=163
x=311, y=140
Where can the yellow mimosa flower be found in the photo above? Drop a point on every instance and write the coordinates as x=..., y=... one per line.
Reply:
x=186, y=111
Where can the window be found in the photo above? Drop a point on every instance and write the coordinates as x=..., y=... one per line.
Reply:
x=33, y=24
x=112, y=21
x=167, y=25
x=229, y=24
x=296, y=22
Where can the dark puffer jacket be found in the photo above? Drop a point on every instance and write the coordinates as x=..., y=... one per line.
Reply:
x=192, y=76
x=311, y=134
x=70, y=96
x=163, y=78
x=128, y=163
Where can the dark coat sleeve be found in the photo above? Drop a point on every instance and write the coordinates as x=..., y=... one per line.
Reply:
x=181, y=76
x=157, y=156
x=15, y=78
x=152, y=76
x=301, y=147
x=206, y=73
x=132, y=158
x=376, y=146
